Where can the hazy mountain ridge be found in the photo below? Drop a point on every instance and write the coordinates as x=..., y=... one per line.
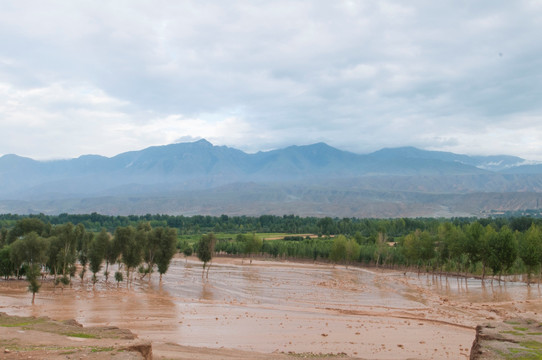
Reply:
x=492, y=162
x=309, y=179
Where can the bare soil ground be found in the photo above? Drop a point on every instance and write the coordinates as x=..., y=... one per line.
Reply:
x=512, y=339
x=285, y=310
x=44, y=338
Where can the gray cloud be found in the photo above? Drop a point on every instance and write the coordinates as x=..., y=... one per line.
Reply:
x=359, y=75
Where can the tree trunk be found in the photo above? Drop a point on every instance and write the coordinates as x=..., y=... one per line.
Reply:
x=106, y=270
x=208, y=268
x=33, y=297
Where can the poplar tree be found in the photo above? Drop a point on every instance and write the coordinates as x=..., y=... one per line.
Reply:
x=204, y=250
x=167, y=239
x=503, y=251
x=32, y=250
x=530, y=250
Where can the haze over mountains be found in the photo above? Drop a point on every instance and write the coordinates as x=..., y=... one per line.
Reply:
x=317, y=180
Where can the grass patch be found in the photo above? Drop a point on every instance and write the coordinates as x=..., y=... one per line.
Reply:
x=512, y=322
x=101, y=349
x=68, y=352
x=534, y=333
x=14, y=321
x=193, y=238
x=16, y=324
x=81, y=335
x=512, y=332
x=532, y=344
x=309, y=355
x=523, y=354
x=532, y=350
x=519, y=328
x=40, y=347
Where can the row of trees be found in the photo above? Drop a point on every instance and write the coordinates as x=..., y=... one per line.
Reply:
x=30, y=247
x=40, y=248
x=200, y=224
x=467, y=249
x=475, y=248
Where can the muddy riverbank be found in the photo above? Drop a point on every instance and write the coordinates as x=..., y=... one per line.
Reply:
x=281, y=307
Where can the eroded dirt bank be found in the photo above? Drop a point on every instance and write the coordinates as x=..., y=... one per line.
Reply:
x=44, y=338
x=512, y=339
x=279, y=307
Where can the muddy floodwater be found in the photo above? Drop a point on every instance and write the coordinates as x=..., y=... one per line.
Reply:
x=275, y=307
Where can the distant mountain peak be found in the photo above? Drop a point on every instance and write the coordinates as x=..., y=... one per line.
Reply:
x=15, y=158
x=91, y=156
x=320, y=146
x=402, y=150
x=203, y=142
x=12, y=156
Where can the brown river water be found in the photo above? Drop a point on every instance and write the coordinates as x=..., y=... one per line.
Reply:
x=274, y=307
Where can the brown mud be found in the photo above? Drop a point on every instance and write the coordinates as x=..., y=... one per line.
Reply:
x=270, y=309
x=512, y=339
x=44, y=338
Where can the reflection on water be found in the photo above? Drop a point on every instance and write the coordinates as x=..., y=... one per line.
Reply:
x=206, y=291
x=251, y=284
x=475, y=290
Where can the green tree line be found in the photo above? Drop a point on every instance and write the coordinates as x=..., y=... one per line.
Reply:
x=200, y=224
x=465, y=249
x=33, y=245
x=32, y=248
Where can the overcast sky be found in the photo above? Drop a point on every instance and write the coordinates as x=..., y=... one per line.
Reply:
x=87, y=77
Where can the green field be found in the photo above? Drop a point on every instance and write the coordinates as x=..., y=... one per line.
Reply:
x=191, y=239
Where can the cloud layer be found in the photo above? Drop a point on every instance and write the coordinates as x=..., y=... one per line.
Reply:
x=78, y=78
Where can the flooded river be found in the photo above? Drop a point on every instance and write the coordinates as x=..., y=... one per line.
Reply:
x=274, y=307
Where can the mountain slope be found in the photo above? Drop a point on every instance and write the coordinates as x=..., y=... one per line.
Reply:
x=491, y=163
x=200, y=165
x=175, y=169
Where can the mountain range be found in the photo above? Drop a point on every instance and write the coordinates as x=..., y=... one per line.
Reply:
x=317, y=179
